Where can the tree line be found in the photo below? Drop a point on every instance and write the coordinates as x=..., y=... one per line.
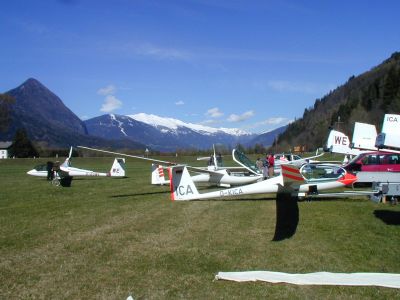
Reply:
x=365, y=98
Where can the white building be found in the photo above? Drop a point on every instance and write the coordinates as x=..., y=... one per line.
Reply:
x=4, y=147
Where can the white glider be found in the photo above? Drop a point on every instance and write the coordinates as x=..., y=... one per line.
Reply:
x=66, y=169
x=212, y=174
x=295, y=180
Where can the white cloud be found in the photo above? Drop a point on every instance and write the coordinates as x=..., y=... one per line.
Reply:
x=240, y=118
x=110, y=103
x=179, y=103
x=214, y=113
x=275, y=121
x=108, y=90
x=271, y=123
x=297, y=87
x=192, y=115
x=160, y=52
x=210, y=122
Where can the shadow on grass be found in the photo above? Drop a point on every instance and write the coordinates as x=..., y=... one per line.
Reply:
x=139, y=194
x=239, y=199
x=389, y=217
x=287, y=216
x=228, y=200
x=332, y=199
x=79, y=178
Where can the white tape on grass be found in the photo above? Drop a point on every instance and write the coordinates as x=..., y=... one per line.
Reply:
x=318, y=278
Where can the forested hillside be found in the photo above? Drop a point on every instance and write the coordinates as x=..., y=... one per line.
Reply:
x=365, y=98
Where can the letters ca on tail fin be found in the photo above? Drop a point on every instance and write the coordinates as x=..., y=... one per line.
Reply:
x=181, y=184
x=118, y=168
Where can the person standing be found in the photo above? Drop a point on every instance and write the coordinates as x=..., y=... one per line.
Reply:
x=271, y=164
x=265, y=167
x=259, y=164
x=49, y=167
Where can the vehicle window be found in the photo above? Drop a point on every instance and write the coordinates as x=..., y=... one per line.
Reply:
x=355, y=159
x=371, y=160
x=393, y=159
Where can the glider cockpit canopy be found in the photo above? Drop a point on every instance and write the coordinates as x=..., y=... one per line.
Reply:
x=321, y=172
x=244, y=161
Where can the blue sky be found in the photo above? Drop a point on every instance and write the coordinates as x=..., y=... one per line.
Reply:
x=253, y=65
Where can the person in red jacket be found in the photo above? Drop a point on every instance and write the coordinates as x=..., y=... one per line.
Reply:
x=271, y=163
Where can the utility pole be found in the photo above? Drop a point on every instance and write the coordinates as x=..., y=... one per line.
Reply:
x=338, y=122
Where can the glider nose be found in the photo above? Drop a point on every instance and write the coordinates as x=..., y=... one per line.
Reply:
x=348, y=179
x=31, y=172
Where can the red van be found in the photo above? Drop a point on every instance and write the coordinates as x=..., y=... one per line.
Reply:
x=375, y=161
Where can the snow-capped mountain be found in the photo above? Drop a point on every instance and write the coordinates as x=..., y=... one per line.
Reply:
x=171, y=125
x=164, y=134
x=49, y=122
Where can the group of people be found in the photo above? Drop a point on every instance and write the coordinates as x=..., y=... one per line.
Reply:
x=266, y=165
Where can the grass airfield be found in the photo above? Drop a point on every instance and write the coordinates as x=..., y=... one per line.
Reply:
x=107, y=238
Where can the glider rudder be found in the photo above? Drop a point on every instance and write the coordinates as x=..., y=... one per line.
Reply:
x=118, y=168
x=157, y=174
x=181, y=184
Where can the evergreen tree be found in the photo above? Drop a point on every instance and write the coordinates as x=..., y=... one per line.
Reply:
x=22, y=146
x=259, y=149
x=390, y=88
x=5, y=102
x=240, y=147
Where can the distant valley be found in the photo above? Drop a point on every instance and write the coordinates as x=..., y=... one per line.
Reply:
x=49, y=123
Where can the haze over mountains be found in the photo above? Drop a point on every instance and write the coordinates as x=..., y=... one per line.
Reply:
x=364, y=98
x=50, y=123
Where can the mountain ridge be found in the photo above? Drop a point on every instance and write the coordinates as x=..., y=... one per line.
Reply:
x=173, y=123
x=47, y=121
x=363, y=98
x=51, y=124
x=164, y=134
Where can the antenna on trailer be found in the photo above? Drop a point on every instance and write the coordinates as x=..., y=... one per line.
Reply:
x=337, y=123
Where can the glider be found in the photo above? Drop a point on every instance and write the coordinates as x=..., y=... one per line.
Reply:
x=280, y=159
x=213, y=174
x=308, y=179
x=65, y=170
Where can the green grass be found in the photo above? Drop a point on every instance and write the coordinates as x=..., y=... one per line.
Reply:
x=106, y=238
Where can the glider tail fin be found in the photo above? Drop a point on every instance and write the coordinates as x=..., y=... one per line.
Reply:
x=364, y=136
x=389, y=137
x=338, y=142
x=67, y=162
x=291, y=175
x=157, y=174
x=118, y=168
x=181, y=184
